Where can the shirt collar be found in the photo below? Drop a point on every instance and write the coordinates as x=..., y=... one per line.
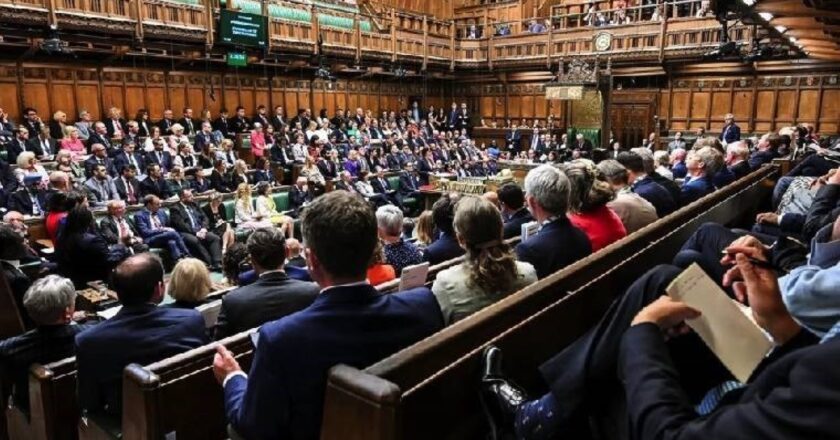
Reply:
x=357, y=283
x=269, y=272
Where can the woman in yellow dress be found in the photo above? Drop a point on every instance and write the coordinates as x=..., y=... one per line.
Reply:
x=266, y=209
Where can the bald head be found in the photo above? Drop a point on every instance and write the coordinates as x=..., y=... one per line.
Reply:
x=139, y=280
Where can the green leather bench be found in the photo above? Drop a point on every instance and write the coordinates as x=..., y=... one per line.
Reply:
x=408, y=202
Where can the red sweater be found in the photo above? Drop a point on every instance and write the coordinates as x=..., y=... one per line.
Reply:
x=601, y=225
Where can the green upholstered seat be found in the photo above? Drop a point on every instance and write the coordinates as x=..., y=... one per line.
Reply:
x=591, y=134
x=230, y=209
x=408, y=202
x=281, y=201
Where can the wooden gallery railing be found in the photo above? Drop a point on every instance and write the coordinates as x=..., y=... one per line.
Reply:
x=430, y=390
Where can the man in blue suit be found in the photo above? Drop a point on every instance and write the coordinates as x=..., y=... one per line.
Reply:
x=349, y=323
x=642, y=184
x=141, y=332
x=446, y=246
x=154, y=228
x=730, y=132
x=702, y=164
x=558, y=243
x=766, y=150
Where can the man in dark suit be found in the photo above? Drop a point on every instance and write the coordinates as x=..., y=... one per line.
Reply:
x=261, y=116
x=736, y=159
x=166, y=123
x=115, y=124
x=452, y=117
x=223, y=125
x=188, y=122
x=50, y=303
x=31, y=121
x=446, y=246
x=159, y=156
x=730, y=132
x=153, y=225
x=702, y=164
x=643, y=184
x=349, y=323
x=582, y=146
x=193, y=225
x=129, y=156
x=219, y=180
x=409, y=182
x=381, y=186
x=128, y=187
x=513, y=138
x=273, y=296
x=100, y=136
x=278, y=120
x=116, y=229
x=299, y=195
x=663, y=392
x=141, y=332
x=154, y=183
x=29, y=198
x=44, y=145
x=204, y=138
x=20, y=144
x=240, y=123
x=766, y=150
x=328, y=167
x=514, y=211
x=99, y=157
x=558, y=243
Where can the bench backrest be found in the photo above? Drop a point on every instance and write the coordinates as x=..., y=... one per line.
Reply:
x=179, y=394
x=436, y=379
x=53, y=412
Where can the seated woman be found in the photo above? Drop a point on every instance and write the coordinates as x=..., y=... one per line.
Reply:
x=29, y=165
x=313, y=176
x=266, y=209
x=239, y=174
x=177, y=181
x=398, y=252
x=424, y=230
x=64, y=162
x=185, y=157
x=58, y=205
x=489, y=272
x=246, y=215
x=218, y=220
x=81, y=252
x=189, y=284
x=588, y=205
x=154, y=136
x=379, y=271
x=262, y=172
x=176, y=138
x=72, y=142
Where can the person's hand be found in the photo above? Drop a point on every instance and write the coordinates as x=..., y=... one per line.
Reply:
x=768, y=218
x=761, y=288
x=224, y=364
x=666, y=313
x=834, y=178
x=749, y=244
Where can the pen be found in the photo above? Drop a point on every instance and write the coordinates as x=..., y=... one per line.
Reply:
x=756, y=262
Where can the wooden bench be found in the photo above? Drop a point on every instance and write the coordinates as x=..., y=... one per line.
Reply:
x=53, y=412
x=429, y=390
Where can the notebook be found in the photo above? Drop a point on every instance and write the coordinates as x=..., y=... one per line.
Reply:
x=725, y=325
x=414, y=276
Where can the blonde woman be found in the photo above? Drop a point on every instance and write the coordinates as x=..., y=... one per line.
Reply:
x=58, y=125
x=489, y=272
x=266, y=209
x=312, y=173
x=424, y=230
x=72, y=142
x=28, y=165
x=177, y=138
x=64, y=162
x=246, y=215
x=189, y=284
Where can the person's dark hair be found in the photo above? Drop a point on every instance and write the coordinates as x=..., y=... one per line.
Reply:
x=408, y=226
x=489, y=260
x=262, y=188
x=232, y=261
x=149, y=199
x=267, y=248
x=182, y=191
x=11, y=243
x=127, y=167
x=443, y=213
x=79, y=220
x=774, y=140
x=136, y=278
x=632, y=161
x=346, y=250
x=511, y=195
x=57, y=202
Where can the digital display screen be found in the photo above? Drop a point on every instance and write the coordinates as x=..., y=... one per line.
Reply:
x=242, y=29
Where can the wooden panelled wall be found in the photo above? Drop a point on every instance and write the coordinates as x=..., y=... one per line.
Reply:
x=441, y=9
x=71, y=89
x=759, y=103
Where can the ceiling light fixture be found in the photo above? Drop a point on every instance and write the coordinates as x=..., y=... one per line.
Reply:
x=748, y=2
x=766, y=16
x=781, y=29
x=792, y=39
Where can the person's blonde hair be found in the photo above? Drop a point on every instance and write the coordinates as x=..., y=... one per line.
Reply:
x=190, y=281
x=489, y=260
x=24, y=158
x=590, y=189
x=68, y=130
x=225, y=142
x=424, y=230
x=243, y=191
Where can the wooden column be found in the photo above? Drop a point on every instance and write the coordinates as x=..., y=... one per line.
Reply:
x=393, y=35
x=452, y=31
x=425, y=41
x=52, y=20
x=663, y=32
x=605, y=85
x=316, y=33
x=357, y=24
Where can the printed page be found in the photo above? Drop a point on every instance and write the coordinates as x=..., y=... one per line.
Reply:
x=414, y=276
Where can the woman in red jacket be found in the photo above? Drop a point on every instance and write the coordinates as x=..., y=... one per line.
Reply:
x=588, y=205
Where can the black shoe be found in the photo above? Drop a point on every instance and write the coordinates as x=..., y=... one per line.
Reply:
x=500, y=398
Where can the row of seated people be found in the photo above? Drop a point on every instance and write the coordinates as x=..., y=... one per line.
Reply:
x=334, y=255
x=658, y=377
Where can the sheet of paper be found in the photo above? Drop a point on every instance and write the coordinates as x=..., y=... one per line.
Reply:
x=414, y=276
x=109, y=312
x=738, y=342
x=529, y=229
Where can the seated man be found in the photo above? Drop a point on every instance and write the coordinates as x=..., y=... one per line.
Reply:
x=766, y=150
x=446, y=246
x=702, y=164
x=349, y=323
x=30, y=198
x=193, y=225
x=50, y=303
x=736, y=159
x=661, y=390
x=153, y=225
x=154, y=183
x=115, y=229
x=635, y=212
x=100, y=187
x=514, y=211
x=381, y=186
x=299, y=195
x=558, y=243
x=409, y=182
x=141, y=332
x=644, y=185
x=793, y=205
x=273, y=296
